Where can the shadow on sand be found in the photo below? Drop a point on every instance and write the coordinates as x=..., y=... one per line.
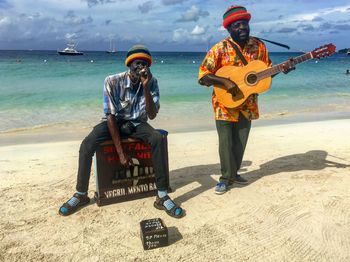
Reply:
x=311, y=160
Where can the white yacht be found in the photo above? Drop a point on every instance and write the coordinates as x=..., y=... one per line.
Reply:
x=70, y=50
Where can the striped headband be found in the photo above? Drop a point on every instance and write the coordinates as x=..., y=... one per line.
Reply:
x=138, y=52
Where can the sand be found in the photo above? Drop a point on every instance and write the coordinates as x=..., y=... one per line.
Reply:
x=295, y=207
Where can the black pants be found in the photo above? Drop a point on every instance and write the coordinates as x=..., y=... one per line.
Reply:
x=100, y=133
x=233, y=137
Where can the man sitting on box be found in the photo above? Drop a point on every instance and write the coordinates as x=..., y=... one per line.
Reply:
x=130, y=98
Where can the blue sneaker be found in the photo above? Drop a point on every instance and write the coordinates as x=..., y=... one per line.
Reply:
x=221, y=188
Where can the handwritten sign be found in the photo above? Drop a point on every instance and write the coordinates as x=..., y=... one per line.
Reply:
x=154, y=233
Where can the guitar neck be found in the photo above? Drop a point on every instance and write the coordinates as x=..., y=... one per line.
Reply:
x=279, y=68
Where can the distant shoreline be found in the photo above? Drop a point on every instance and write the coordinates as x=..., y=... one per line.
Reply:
x=77, y=131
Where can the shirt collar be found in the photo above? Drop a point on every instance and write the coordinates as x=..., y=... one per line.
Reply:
x=249, y=44
x=127, y=80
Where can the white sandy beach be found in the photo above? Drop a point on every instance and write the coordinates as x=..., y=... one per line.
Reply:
x=295, y=208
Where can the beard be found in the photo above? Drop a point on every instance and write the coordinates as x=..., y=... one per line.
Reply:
x=241, y=35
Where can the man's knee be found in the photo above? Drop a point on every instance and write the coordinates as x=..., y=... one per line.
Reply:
x=87, y=146
x=156, y=138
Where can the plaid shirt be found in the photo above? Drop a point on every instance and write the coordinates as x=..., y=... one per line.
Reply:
x=223, y=54
x=126, y=102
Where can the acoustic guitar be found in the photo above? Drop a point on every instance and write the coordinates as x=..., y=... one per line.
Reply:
x=255, y=77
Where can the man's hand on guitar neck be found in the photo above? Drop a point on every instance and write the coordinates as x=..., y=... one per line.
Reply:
x=288, y=66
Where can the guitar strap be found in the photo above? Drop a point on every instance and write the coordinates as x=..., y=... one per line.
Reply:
x=238, y=52
x=273, y=42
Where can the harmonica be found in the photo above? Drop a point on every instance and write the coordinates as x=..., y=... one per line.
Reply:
x=143, y=72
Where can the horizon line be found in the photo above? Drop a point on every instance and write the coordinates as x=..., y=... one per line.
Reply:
x=51, y=50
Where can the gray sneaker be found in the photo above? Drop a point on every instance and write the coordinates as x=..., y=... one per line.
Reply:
x=240, y=180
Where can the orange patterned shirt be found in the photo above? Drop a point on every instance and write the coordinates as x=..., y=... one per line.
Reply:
x=223, y=54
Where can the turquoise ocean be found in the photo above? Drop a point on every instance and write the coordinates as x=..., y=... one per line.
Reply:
x=41, y=88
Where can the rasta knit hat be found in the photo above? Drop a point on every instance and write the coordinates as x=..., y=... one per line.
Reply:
x=138, y=52
x=235, y=13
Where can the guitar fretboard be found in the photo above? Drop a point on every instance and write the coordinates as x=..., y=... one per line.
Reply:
x=279, y=68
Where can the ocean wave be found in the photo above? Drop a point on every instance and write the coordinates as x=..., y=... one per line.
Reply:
x=27, y=128
x=66, y=125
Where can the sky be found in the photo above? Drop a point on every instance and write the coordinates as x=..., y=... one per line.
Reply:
x=167, y=25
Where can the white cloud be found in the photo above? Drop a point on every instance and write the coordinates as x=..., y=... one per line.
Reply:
x=146, y=7
x=193, y=14
x=70, y=36
x=172, y=2
x=180, y=35
x=196, y=35
x=222, y=28
x=92, y=3
x=4, y=21
x=36, y=24
x=197, y=30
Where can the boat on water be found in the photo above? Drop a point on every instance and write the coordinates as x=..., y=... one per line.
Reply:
x=70, y=50
x=348, y=52
x=111, y=49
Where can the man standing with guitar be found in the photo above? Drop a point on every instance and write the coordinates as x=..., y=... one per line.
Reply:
x=233, y=124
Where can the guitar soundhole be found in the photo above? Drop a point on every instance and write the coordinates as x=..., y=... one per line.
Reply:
x=252, y=79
